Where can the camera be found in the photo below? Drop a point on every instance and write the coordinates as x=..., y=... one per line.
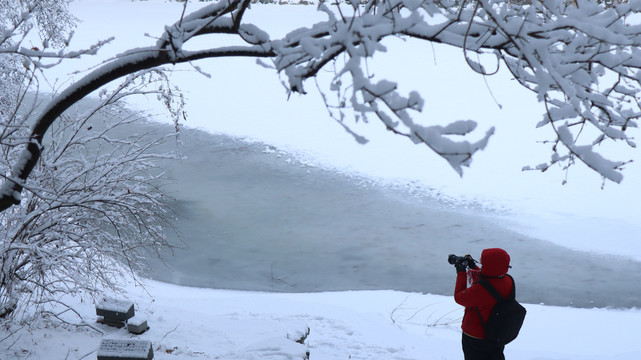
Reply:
x=466, y=260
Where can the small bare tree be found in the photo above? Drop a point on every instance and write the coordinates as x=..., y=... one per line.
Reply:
x=93, y=208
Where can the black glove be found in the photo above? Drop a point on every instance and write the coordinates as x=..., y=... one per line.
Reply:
x=471, y=263
x=461, y=265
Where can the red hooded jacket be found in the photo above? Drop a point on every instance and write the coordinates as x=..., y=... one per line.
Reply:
x=495, y=263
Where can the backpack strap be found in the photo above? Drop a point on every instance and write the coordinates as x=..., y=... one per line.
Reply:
x=495, y=293
x=492, y=290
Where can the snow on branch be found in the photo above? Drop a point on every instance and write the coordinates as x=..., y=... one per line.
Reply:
x=591, y=158
x=35, y=53
x=223, y=17
x=581, y=58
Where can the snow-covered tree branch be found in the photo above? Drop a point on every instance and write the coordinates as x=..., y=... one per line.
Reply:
x=578, y=57
x=92, y=209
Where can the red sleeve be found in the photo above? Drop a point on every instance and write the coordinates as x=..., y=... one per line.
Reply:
x=473, y=296
x=461, y=285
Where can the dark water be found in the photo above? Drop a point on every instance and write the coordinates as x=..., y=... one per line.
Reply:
x=252, y=219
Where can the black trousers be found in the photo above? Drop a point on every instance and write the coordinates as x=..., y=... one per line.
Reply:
x=479, y=349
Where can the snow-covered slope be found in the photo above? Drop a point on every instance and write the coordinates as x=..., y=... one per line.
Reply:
x=192, y=323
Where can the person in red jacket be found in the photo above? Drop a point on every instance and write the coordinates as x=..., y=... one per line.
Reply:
x=494, y=266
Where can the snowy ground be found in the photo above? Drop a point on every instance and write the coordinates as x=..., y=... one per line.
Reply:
x=193, y=323
x=222, y=324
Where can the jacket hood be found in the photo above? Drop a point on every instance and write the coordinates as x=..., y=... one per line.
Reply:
x=494, y=262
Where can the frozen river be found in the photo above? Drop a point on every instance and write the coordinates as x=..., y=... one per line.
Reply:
x=254, y=218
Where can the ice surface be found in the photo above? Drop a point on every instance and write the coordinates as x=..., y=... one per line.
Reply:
x=343, y=233
x=254, y=218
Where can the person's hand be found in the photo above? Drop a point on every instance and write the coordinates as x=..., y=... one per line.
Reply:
x=471, y=263
x=461, y=265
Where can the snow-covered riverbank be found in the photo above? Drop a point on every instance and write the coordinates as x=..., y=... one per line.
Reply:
x=192, y=323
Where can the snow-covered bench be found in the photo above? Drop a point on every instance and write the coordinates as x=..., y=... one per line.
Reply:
x=114, y=312
x=119, y=313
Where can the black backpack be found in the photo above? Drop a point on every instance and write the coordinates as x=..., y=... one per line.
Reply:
x=506, y=318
